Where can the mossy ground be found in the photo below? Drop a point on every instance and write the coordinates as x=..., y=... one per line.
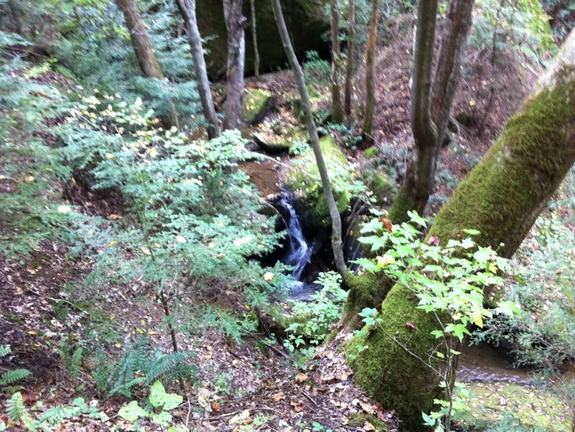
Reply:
x=256, y=102
x=535, y=408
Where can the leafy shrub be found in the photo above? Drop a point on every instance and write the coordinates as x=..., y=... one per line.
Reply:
x=314, y=319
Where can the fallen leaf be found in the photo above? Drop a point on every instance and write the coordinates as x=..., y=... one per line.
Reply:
x=410, y=326
x=387, y=224
x=368, y=426
x=297, y=406
x=277, y=397
x=215, y=406
x=301, y=377
x=367, y=407
x=433, y=241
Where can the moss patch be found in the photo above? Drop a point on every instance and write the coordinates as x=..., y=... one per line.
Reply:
x=256, y=103
x=304, y=181
x=273, y=143
x=360, y=420
x=534, y=407
x=365, y=291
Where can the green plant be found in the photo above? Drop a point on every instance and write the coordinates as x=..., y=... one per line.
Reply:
x=450, y=282
x=11, y=376
x=159, y=406
x=50, y=418
x=317, y=71
x=140, y=365
x=312, y=320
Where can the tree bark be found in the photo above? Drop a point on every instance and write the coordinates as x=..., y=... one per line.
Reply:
x=144, y=52
x=255, y=39
x=188, y=11
x=336, y=235
x=336, y=108
x=501, y=198
x=367, y=128
x=431, y=106
x=235, y=89
x=350, y=60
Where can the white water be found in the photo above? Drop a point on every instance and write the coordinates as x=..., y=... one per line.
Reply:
x=299, y=251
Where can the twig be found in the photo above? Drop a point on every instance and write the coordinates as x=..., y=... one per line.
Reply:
x=309, y=397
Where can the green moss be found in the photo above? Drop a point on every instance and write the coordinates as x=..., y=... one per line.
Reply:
x=504, y=194
x=365, y=291
x=303, y=179
x=256, y=102
x=359, y=420
x=370, y=152
x=389, y=371
x=534, y=407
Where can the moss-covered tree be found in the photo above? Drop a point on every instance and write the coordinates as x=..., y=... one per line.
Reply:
x=501, y=198
x=350, y=59
x=336, y=108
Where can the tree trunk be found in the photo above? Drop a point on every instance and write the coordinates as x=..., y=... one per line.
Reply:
x=336, y=237
x=501, y=198
x=431, y=107
x=336, y=108
x=144, y=51
x=255, y=39
x=235, y=89
x=188, y=10
x=367, y=128
x=350, y=60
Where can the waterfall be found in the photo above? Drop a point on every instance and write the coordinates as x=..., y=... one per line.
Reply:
x=299, y=251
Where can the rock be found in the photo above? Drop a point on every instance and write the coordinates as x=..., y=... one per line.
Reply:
x=257, y=103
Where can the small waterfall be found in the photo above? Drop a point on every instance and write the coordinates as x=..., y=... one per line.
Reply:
x=299, y=251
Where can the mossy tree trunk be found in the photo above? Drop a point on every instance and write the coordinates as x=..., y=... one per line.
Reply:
x=431, y=101
x=501, y=198
x=367, y=127
x=143, y=49
x=235, y=88
x=350, y=59
x=336, y=235
x=336, y=108
x=188, y=11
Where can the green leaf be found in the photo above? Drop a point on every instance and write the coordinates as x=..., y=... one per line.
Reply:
x=471, y=231
x=132, y=412
x=163, y=419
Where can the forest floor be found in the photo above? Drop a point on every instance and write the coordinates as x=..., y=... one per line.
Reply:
x=250, y=386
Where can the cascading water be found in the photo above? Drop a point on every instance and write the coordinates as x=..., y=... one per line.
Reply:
x=299, y=252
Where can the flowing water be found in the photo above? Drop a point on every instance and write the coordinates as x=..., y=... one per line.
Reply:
x=299, y=251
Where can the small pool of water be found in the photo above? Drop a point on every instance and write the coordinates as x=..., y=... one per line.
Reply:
x=484, y=363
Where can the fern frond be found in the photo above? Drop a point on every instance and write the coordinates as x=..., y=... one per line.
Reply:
x=17, y=411
x=12, y=376
x=5, y=350
x=167, y=366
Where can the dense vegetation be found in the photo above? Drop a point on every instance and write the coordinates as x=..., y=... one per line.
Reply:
x=141, y=282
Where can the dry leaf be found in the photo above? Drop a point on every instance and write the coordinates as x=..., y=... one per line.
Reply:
x=433, y=241
x=367, y=407
x=297, y=406
x=277, y=397
x=368, y=426
x=301, y=377
x=215, y=406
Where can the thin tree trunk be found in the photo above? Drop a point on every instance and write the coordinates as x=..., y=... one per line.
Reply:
x=188, y=10
x=367, y=129
x=336, y=235
x=431, y=105
x=501, y=198
x=139, y=37
x=336, y=108
x=350, y=60
x=144, y=52
x=255, y=39
x=235, y=22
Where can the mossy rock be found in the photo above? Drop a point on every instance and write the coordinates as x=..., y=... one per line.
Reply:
x=317, y=100
x=306, y=21
x=371, y=152
x=257, y=102
x=533, y=408
x=367, y=290
x=381, y=187
x=270, y=142
x=303, y=180
x=358, y=420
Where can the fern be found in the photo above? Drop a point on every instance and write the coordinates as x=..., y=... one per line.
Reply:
x=72, y=362
x=12, y=376
x=17, y=411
